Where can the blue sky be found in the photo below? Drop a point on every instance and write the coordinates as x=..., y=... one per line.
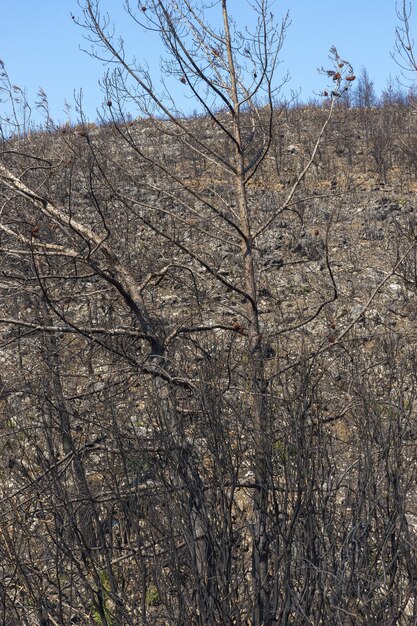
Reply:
x=40, y=45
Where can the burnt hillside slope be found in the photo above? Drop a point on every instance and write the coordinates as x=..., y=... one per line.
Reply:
x=130, y=457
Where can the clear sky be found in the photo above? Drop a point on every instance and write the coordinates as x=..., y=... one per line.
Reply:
x=40, y=45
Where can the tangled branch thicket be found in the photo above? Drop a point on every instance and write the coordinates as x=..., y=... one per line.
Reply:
x=208, y=383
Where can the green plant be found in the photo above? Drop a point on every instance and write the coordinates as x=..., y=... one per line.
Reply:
x=102, y=593
x=152, y=596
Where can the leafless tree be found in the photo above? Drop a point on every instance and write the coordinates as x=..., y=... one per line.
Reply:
x=404, y=43
x=364, y=95
x=182, y=443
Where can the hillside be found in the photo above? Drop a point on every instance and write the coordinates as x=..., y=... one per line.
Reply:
x=137, y=485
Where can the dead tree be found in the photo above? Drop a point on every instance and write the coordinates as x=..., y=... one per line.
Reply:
x=139, y=288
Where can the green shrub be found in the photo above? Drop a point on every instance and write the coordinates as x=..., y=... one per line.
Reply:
x=152, y=596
